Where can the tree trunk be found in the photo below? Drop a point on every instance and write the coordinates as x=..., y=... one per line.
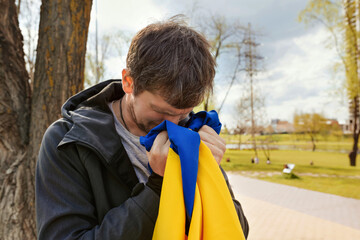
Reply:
x=313, y=143
x=14, y=87
x=239, y=141
x=60, y=61
x=266, y=148
x=59, y=73
x=352, y=157
x=356, y=131
x=353, y=153
x=15, y=176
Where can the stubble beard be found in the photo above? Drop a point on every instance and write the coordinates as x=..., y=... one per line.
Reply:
x=143, y=127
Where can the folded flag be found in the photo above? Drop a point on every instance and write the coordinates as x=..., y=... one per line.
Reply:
x=193, y=184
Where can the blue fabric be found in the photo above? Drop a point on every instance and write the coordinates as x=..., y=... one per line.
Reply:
x=205, y=118
x=181, y=140
x=185, y=142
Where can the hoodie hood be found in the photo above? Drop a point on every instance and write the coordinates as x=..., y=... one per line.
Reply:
x=88, y=122
x=96, y=97
x=91, y=120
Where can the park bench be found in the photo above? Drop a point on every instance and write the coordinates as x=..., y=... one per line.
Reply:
x=288, y=168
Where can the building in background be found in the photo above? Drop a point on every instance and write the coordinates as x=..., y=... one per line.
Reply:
x=279, y=126
x=348, y=127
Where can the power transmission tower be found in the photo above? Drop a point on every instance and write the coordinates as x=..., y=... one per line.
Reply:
x=251, y=60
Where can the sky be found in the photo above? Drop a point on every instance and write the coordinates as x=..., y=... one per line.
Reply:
x=297, y=67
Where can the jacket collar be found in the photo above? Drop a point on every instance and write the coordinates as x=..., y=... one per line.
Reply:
x=93, y=126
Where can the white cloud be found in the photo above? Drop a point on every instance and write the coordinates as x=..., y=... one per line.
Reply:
x=126, y=15
x=298, y=80
x=115, y=66
x=129, y=16
x=298, y=65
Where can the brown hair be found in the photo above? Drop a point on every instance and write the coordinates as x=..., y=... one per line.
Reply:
x=172, y=60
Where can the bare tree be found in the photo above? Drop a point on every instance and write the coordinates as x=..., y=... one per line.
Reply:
x=95, y=68
x=310, y=124
x=237, y=69
x=241, y=126
x=111, y=45
x=265, y=145
x=25, y=114
x=244, y=115
x=225, y=37
x=29, y=16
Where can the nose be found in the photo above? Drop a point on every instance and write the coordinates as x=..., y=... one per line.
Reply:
x=173, y=119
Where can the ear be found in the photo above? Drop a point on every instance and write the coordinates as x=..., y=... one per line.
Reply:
x=127, y=82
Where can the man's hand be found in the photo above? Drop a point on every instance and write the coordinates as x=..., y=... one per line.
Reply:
x=158, y=153
x=213, y=141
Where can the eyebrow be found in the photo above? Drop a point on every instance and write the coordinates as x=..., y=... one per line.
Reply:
x=157, y=109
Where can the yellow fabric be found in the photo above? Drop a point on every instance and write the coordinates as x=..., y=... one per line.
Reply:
x=214, y=216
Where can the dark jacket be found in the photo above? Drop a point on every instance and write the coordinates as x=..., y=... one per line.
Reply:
x=86, y=187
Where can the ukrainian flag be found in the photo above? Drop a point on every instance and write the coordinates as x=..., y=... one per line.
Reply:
x=193, y=184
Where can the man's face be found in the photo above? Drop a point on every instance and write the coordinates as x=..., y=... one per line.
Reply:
x=148, y=110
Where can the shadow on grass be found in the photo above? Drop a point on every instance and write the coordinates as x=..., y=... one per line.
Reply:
x=290, y=176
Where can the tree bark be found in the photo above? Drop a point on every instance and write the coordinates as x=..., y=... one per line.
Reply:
x=313, y=142
x=14, y=130
x=24, y=116
x=14, y=86
x=60, y=61
x=356, y=132
x=352, y=68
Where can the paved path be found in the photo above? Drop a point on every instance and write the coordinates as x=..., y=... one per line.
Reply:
x=276, y=211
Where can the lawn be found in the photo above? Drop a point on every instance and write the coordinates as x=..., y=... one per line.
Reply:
x=329, y=173
x=296, y=141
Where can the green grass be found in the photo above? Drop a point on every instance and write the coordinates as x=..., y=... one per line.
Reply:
x=338, y=186
x=320, y=145
x=300, y=141
x=306, y=138
x=332, y=171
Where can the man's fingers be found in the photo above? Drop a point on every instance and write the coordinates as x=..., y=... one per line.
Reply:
x=161, y=144
x=213, y=141
x=161, y=138
x=209, y=135
x=215, y=151
x=158, y=153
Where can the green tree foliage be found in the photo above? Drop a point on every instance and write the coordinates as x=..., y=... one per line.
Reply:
x=311, y=124
x=341, y=18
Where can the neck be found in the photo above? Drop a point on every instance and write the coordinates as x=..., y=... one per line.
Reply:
x=126, y=117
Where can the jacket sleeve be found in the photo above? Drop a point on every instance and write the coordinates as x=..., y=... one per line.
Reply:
x=239, y=210
x=65, y=206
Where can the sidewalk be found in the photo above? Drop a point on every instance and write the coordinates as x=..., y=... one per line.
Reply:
x=276, y=211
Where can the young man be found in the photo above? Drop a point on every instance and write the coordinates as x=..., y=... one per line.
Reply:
x=92, y=175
